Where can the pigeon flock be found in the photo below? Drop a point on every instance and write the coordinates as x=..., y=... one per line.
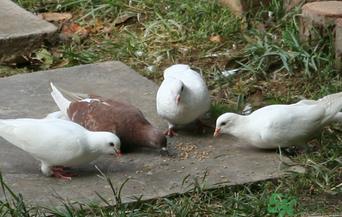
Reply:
x=91, y=126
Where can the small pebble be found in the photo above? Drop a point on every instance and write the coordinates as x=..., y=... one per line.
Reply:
x=159, y=59
x=139, y=53
x=151, y=68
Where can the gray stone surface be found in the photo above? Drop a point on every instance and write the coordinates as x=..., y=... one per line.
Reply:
x=20, y=31
x=151, y=175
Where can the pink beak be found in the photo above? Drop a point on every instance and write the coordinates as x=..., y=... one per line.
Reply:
x=177, y=99
x=119, y=154
x=217, y=132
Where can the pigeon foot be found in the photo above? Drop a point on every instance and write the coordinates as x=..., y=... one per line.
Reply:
x=61, y=167
x=170, y=132
x=60, y=173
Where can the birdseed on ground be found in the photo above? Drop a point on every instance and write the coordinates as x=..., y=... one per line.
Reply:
x=188, y=150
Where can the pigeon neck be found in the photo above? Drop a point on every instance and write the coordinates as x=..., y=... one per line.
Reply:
x=175, y=84
x=240, y=124
x=148, y=136
x=140, y=133
x=94, y=141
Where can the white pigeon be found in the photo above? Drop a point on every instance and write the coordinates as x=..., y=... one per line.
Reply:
x=57, y=115
x=58, y=143
x=182, y=97
x=282, y=125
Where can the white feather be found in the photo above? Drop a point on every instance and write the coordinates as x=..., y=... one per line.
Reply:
x=57, y=115
x=62, y=103
x=195, y=99
x=283, y=125
x=57, y=142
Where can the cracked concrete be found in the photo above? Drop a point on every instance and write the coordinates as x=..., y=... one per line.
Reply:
x=21, y=32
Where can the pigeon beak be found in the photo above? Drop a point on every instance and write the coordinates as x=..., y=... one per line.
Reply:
x=217, y=132
x=177, y=99
x=118, y=153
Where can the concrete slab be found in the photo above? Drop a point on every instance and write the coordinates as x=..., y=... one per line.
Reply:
x=20, y=31
x=151, y=175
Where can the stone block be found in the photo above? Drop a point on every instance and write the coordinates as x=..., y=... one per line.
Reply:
x=289, y=4
x=322, y=15
x=20, y=31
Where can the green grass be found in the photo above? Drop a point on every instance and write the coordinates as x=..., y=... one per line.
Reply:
x=275, y=67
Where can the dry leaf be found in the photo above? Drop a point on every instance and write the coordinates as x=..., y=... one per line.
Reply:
x=56, y=16
x=62, y=63
x=216, y=38
x=97, y=26
x=44, y=57
x=107, y=29
x=72, y=29
x=124, y=17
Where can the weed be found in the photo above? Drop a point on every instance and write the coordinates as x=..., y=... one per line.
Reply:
x=281, y=204
x=13, y=203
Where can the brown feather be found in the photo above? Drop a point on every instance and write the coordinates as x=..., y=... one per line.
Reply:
x=127, y=121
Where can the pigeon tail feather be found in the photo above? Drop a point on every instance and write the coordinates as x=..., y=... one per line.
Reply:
x=6, y=131
x=62, y=103
x=332, y=103
x=71, y=95
x=2, y=124
x=338, y=117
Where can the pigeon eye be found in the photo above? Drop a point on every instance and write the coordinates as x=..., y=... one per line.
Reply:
x=182, y=88
x=111, y=144
x=223, y=123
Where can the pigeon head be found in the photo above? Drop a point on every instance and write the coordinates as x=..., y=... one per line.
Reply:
x=105, y=143
x=224, y=123
x=156, y=139
x=145, y=135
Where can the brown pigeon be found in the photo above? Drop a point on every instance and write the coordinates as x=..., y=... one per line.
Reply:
x=99, y=114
